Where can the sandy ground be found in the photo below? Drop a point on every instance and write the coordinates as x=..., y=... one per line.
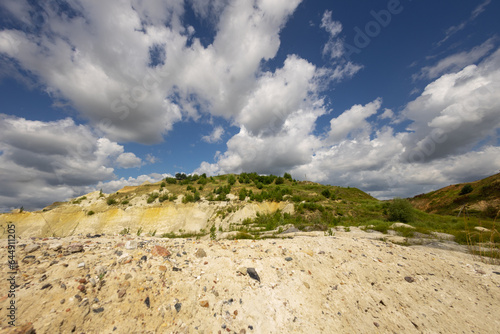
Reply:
x=347, y=283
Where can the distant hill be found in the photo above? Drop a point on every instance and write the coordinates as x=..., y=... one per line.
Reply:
x=192, y=204
x=482, y=198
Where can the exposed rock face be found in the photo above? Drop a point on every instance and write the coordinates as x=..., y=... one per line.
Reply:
x=69, y=219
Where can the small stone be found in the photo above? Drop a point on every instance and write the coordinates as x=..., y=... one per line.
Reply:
x=242, y=271
x=63, y=301
x=75, y=248
x=144, y=258
x=409, y=279
x=81, y=288
x=128, y=276
x=55, y=247
x=31, y=248
x=376, y=324
x=307, y=285
x=81, y=265
x=176, y=269
x=149, y=278
x=147, y=302
x=178, y=306
x=118, y=253
x=98, y=310
x=131, y=244
x=29, y=259
x=101, y=270
x=288, y=258
x=93, y=282
x=235, y=312
x=160, y=251
x=253, y=274
x=46, y=286
x=122, y=293
x=204, y=303
x=162, y=268
x=200, y=253
x=82, y=281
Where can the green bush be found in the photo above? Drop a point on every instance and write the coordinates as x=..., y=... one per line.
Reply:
x=326, y=193
x=231, y=179
x=466, y=189
x=111, y=201
x=287, y=176
x=401, y=210
x=279, y=180
x=170, y=180
x=152, y=197
x=90, y=213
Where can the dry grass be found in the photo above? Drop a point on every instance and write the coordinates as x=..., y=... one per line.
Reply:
x=481, y=244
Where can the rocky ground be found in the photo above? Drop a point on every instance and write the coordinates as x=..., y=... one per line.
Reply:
x=311, y=283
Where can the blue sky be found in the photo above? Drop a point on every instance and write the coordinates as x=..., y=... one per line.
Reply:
x=394, y=97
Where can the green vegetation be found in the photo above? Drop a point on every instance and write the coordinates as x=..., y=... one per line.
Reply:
x=111, y=201
x=401, y=210
x=466, y=189
x=125, y=231
x=90, y=213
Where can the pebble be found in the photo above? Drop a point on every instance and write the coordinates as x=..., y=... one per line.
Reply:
x=253, y=274
x=131, y=244
x=93, y=282
x=160, y=251
x=128, y=276
x=147, y=302
x=121, y=293
x=98, y=310
x=204, y=303
x=31, y=248
x=144, y=258
x=81, y=265
x=409, y=279
x=75, y=248
x=55, y=247
x=29, y=259
x=200, y=253
x=178, y=306
x=288, y=258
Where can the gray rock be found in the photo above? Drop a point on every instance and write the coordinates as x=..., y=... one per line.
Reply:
x=288, y=258
x=55, y=247
x=253, y=274
x=178, y=306
x=200, y=253
x=131, y=244
x=31, y=248
x=75, y=248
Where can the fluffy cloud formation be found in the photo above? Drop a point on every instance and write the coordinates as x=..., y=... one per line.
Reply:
x=215, y=136
x=55, y=159
x=133, y=70
x=452, y=137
